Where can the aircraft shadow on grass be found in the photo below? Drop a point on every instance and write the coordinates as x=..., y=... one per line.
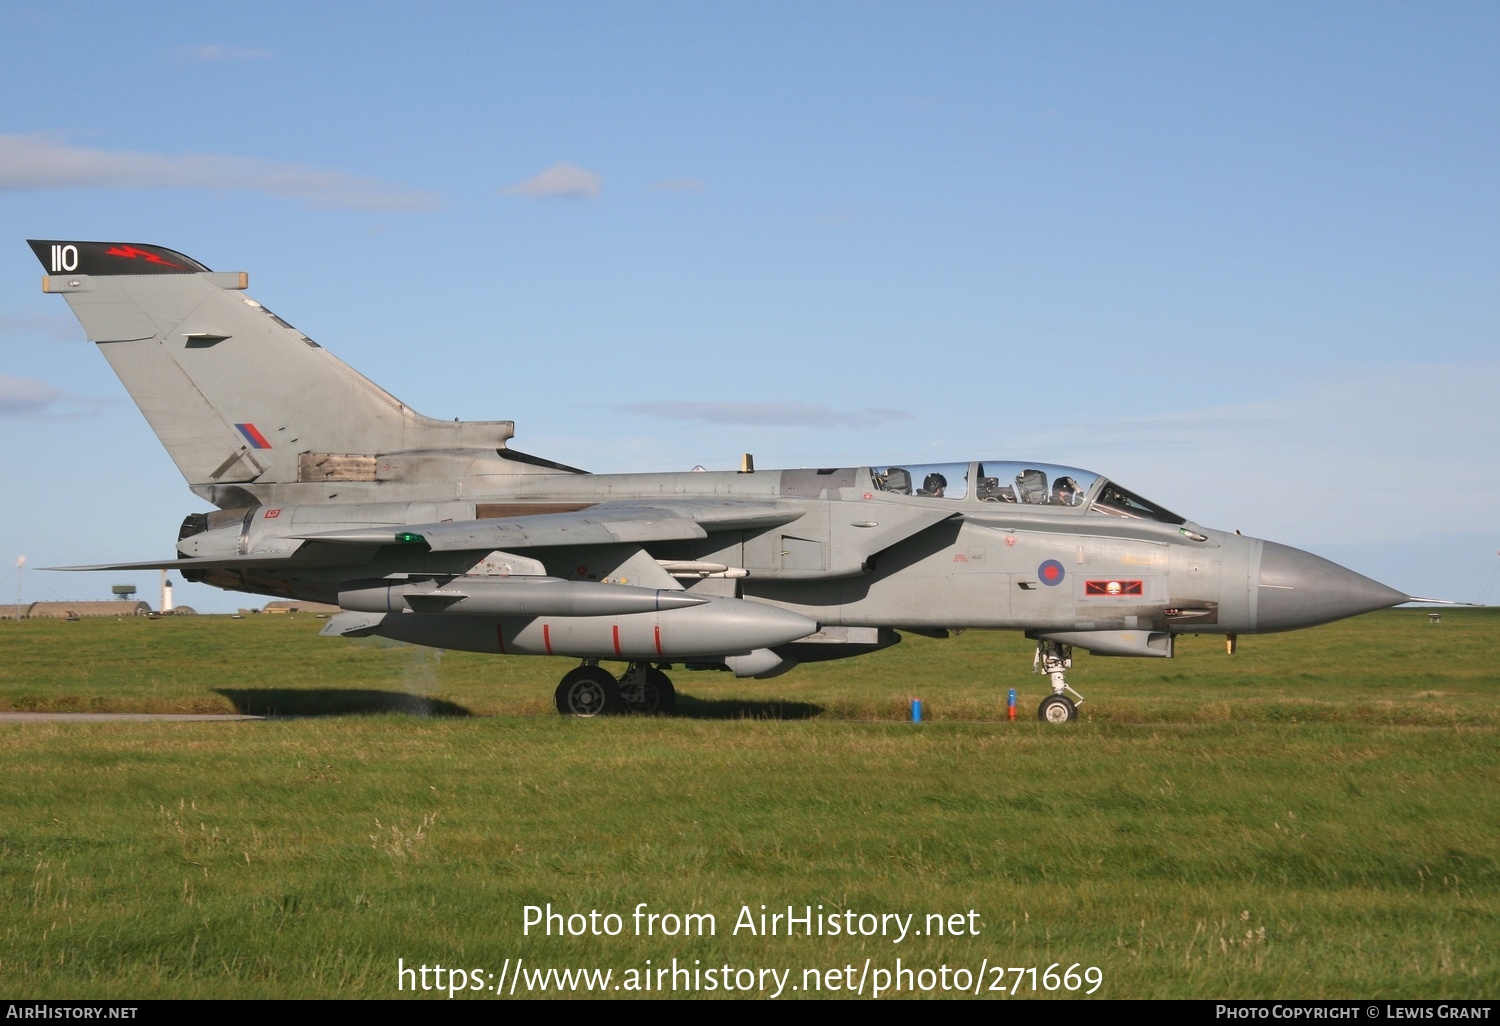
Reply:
x=364, y=701
x=336, y=702
x=690, y=708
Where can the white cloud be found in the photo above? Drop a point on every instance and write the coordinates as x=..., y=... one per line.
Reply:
x=767, y=414
x=43, y=162
x=34, y=398
x=21, y=396
x=560, y=180
x=212, y=53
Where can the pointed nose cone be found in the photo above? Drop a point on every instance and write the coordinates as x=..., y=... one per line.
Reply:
x=1298, y=589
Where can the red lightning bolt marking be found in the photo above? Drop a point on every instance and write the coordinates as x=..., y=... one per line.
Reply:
x=131, y=253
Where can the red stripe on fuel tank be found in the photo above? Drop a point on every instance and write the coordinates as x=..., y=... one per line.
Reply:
x=616, y=630
x=547, y=637
x=657, y=629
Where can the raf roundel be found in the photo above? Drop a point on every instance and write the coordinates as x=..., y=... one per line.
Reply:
x=1051, y=572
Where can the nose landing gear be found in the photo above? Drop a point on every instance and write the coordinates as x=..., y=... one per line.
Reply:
x=1054, y=659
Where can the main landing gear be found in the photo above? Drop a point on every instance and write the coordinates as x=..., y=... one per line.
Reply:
x=1054, y=659
x=591, y=690
x=647, y=690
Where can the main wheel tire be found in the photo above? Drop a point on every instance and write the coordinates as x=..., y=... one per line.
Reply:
x=647, y=690
x=1057, y=709
x=589, y=691
x=661, y=695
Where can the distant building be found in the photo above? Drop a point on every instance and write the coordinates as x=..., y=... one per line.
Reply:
x=75, y=610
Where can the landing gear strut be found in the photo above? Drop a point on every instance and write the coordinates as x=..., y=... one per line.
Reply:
x=647, y=690
x=1055, y=659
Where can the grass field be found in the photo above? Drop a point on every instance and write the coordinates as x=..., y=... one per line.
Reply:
x=1317, y=816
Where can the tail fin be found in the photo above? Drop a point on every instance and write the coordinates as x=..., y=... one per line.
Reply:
x=236, y=394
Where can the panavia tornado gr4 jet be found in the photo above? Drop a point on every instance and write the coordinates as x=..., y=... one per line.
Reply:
x=327, y=488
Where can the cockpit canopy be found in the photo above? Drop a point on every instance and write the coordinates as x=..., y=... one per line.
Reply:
x=1024, y=484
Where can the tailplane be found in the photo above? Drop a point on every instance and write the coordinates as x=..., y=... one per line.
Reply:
x=243, y=401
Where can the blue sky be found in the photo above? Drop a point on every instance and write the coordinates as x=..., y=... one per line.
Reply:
x=1240, y=257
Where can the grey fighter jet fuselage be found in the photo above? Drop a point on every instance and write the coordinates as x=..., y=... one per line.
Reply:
x=437, y=533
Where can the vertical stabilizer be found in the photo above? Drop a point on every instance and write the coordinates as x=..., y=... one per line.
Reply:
x=236, y=394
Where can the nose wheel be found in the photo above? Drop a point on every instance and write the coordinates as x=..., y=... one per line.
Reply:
x=1057, y=709
x=1055, y=659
